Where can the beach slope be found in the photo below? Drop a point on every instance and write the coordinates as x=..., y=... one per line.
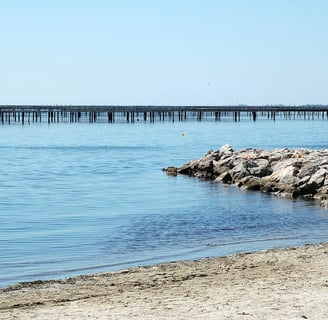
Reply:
x=275, y=284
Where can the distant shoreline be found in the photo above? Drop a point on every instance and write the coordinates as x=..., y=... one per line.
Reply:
x=275, y=284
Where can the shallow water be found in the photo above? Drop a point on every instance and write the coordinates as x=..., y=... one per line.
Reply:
x=80, y=198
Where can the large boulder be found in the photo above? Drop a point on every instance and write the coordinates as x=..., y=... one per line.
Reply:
x=259, y=167
x=225, y=151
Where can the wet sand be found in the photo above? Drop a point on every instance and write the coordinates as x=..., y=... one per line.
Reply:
x=275, y=284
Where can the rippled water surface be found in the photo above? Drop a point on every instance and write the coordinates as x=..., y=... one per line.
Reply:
x=81, y=198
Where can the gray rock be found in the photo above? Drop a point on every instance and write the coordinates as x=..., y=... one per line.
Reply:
x=225, y=151
x=324, y=189
x=250, y=183
x=286, y=172
x=260, y=168
x=239, y=172
x=224, y=177
x=318, y=177
x=324, y=203
x=206, y=165
x=185, y=169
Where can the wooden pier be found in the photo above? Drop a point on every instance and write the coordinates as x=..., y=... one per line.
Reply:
x=27, y=114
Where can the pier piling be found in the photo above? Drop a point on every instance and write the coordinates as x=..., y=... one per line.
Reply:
x=130, y=114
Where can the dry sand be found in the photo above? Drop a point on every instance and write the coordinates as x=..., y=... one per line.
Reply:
x=276, y=284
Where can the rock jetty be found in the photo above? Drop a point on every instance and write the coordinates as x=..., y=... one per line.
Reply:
x=286, y=172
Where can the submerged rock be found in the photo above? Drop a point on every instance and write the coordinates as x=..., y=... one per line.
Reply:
x=171, y=171
x=287, y=172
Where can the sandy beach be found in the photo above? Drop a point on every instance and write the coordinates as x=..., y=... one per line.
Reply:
x=276, y=284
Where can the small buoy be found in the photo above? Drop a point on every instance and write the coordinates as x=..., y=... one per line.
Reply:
x=182, y=134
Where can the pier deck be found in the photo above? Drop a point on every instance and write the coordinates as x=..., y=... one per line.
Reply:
x=24, y=114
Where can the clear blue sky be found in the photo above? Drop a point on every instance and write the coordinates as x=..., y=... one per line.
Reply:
x=181, y=52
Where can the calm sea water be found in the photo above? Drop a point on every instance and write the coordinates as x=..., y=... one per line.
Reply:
x=82, y=198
